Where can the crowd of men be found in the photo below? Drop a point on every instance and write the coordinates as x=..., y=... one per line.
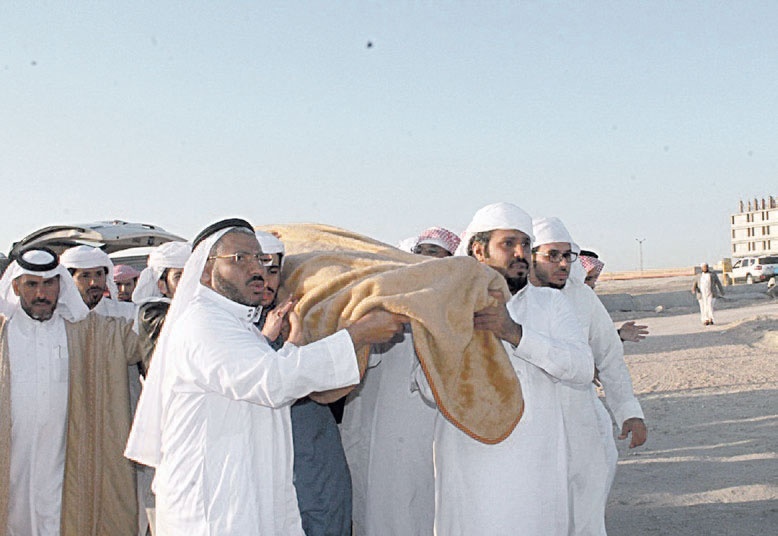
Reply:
x=181, y=399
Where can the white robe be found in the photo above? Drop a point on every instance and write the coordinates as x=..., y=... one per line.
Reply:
x=226, y=465
x=593, y=454
x=706, y=297
x=38, y=355
x=518, y=486
x=387, y=434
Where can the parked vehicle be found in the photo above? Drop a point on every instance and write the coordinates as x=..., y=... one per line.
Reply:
x=754, y=269
x=129, y=242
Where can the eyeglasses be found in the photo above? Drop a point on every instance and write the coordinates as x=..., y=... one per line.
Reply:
x=556, y=256
x=241, y=258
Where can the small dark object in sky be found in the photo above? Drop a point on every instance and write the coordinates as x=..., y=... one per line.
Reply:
x=369, y=44
x=33, y=63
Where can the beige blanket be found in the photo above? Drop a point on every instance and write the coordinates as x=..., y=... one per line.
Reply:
x=98, y=492
x=338, y=276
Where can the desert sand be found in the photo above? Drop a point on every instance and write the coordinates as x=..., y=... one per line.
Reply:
x=710, y=396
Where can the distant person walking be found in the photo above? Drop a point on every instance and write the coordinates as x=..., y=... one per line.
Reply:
x=707, y=288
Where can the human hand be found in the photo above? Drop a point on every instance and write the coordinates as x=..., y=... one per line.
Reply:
x=377, y=326
x=292, y=330
x=276, y=318
x=631, y=332
x=496, y=319
x=638, y=429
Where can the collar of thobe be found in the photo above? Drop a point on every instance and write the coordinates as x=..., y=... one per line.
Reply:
x=30, y=326
x=244, y=313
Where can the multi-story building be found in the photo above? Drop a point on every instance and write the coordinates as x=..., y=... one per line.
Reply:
x=754, y=228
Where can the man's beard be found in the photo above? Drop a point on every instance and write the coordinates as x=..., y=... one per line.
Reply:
x=515, y=284
x=42, y=316
x=231, y=292
x=91, y=302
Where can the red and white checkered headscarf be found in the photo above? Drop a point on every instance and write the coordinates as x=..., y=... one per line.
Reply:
x=592, y=265
x=439, y=236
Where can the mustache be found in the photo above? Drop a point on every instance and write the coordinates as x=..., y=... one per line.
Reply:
x=256, y=278
x=41, y=301
x=95, y=288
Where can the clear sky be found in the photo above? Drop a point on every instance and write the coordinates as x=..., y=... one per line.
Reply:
x=626, y=119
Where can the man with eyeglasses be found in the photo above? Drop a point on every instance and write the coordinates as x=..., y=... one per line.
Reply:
x=519, y=485
x=592, y=456
x=214, y=416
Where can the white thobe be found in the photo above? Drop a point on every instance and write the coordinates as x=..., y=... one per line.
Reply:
x=706, y=298
x=387, y=435
x=593, y=454
x=38, y=355
x=227, y=461
x=520, y=485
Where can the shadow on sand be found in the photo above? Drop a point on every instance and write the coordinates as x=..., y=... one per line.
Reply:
x=707, y=468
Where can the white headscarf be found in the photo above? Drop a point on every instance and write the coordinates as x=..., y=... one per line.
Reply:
x=550, y=230
x=493, y=217
x=70, y=305
x=144, y=444
x=87, y=257
x=270, y=244
x=167, y=255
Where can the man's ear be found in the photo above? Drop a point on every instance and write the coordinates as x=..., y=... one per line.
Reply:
x=162, y=286
x=15, y=286
x=479, y=251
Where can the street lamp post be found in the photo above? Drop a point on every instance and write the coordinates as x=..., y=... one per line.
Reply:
x=640, y=252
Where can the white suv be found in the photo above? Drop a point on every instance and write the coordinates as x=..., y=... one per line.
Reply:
x=130, y=243
x=754, y=269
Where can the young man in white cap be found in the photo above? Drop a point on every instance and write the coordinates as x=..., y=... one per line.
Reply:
x=517, y=486
x=592, y=455
x=153, y=293
x=321, y=475
x=64, y=407
x=214, y=414
x=155, y=290
x=92, y=270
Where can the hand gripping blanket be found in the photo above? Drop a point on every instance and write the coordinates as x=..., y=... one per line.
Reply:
x=339, y=276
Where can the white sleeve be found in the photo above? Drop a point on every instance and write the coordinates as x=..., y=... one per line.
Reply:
x=608, y=351
x=244, y=367
x=563, y=351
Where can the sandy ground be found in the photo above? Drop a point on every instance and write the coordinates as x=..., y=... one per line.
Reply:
x=710, y=395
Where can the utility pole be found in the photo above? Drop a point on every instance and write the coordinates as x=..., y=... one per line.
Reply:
x=640, y=252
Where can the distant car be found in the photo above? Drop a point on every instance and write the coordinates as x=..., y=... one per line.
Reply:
x=120, y=239
x=754, y=269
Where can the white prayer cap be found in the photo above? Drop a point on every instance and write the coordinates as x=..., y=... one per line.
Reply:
x=493, y=217
x=270, y=244
x=407, y=244
x=86, y=257
x=44, y=263
x=144, y=444
x=167, y=255
x=550, y=230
